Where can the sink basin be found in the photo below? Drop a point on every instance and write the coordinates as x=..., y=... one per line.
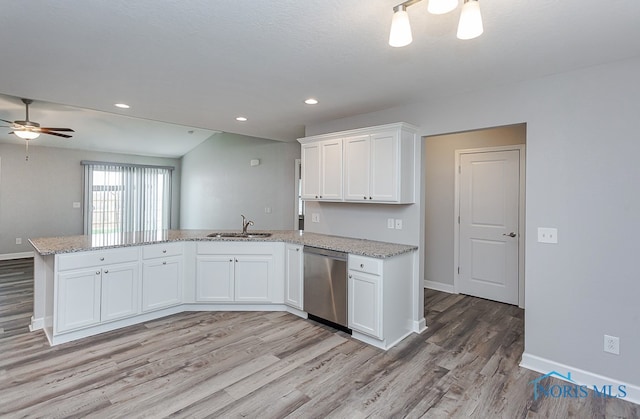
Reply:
x=240, y=235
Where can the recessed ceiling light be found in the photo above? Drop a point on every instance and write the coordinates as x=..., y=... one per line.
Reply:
x=241, y=119
x=311, y=101
x=122, y=105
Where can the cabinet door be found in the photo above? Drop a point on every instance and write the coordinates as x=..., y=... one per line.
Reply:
x=252, y=277
x=357, y=152
x=214, y=278
x=119, y=291
x=78, y=299
x=365, y=303
x=310, y=171
x=331, y=170
x=384, y=166
x=293, y=276
x=161, y=283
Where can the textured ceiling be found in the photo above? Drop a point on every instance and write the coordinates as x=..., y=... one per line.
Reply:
x=201, y=63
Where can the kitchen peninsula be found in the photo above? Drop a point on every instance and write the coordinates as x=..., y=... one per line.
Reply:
x=85, y=285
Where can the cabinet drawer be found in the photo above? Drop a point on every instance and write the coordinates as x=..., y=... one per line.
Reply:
x=97, y=258
x=161, y=250
x=365, y=264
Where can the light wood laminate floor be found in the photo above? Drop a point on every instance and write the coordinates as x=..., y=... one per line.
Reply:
x=273, y=365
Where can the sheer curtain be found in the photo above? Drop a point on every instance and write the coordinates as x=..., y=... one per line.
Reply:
x=125, y=198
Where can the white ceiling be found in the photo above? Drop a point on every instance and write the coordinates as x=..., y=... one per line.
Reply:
x=201, y=63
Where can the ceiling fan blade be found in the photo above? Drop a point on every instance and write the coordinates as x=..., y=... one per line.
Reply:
x=56, y=134
x=8, y=122
x=43, y=129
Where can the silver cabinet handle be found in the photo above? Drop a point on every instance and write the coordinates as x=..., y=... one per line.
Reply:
x=350, y=276
x=106, y=271
x=164, y=263
x=164, y=251
x=512, y=234
x=101, y=259
x=362, y=265
x=97, y=272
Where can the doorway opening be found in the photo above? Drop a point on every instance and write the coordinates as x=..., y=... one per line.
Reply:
x=442, y=239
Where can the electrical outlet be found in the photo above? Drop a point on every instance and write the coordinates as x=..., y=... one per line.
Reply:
x=612, y=344
x=315, y=217
x=547, y=235
x=18, y=240
x=398, y=224
x=76, y=205
x=267, y=210
x=391, y=223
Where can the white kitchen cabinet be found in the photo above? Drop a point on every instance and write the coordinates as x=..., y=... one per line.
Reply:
x=162, y=275
x=215, y=278
x=294, y=290
x=322, y=170
x=378, y=164
x=365, y=307
x=119, y=296
x=78, y=299
x=161, y=283
x=379, y=298
x=87, y=296
x=244, y=276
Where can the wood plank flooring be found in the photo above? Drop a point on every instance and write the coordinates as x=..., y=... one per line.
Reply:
x=275, y=365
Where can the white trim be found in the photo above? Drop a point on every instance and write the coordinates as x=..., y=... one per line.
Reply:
x=296, y=187
x=420, y=325
x=580, y=377
x=521, y=216
x=439, y=286
x=36, y=324
x=22, y=255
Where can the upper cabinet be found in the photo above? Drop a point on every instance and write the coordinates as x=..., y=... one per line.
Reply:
x=322, y=170
x=372, y=165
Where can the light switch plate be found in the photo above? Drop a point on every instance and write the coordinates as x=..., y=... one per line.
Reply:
x=76, y=205
x=547, y=235
x=398, y=224
x=391, y=223
x=315, y=217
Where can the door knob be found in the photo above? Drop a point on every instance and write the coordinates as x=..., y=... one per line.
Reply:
x=512, y=234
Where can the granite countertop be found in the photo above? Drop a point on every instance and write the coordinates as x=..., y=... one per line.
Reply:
x=69, y=244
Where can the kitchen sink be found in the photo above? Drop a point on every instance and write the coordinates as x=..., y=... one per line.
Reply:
x=240, y=235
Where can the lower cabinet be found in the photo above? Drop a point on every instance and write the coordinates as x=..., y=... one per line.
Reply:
x=365, y=303
x=89, y=296
x=293, y=285
x=161, y=283
x=234, y=277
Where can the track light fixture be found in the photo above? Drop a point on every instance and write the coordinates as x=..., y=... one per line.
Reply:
x=469, y=26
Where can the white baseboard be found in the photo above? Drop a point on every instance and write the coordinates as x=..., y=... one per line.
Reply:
x=36, y=324
x=439, y=286
x=9, y=256
x=420, y=325
x=580, y=377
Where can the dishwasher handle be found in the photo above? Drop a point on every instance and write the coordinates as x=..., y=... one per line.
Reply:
x=333, y=254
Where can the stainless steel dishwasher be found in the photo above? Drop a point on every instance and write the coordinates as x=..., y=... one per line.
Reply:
x=325, y=285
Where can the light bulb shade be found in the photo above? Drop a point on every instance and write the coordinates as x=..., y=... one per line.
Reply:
x=26, y=134
x=400, y=34
x=470, y=25
x=440, y=7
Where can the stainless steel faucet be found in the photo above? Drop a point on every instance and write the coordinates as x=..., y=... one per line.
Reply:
x=245, y=224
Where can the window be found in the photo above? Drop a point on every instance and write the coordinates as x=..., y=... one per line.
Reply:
x=123, y=198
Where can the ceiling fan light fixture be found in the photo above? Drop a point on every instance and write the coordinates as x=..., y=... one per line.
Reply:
x=470, y=24
x=440, y=7
x=26, y=134
x=400, y=34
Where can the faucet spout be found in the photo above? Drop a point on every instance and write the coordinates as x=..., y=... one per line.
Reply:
x=245, y=224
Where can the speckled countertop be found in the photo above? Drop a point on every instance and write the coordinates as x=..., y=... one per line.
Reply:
x=53, y=245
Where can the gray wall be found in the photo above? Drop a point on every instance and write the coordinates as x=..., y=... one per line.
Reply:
x=582, y=176
x=218, y=183
x=36, y=196
x=439, y=190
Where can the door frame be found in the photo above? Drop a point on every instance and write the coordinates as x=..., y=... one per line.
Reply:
x=521, y=213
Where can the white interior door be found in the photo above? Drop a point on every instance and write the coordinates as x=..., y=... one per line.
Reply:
x=489, y=188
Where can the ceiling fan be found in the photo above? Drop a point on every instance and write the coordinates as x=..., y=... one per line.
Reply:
x=29, y=130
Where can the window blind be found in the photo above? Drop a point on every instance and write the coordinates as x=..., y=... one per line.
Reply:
x=123, y=198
